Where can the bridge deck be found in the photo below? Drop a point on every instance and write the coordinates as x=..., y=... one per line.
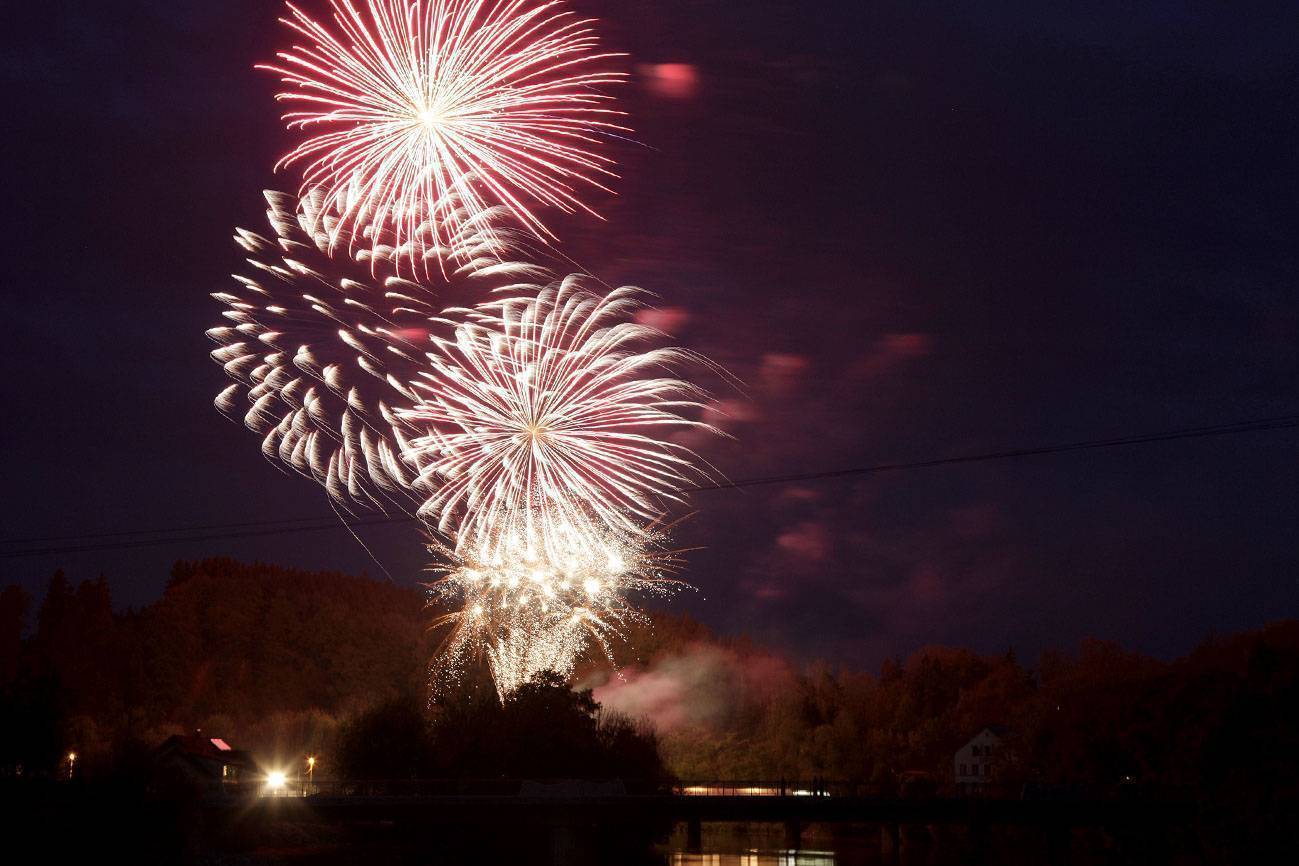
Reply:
x=453, y=809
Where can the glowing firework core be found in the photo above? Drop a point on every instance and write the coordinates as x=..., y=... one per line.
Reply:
x=528, y=612
x=539, y=417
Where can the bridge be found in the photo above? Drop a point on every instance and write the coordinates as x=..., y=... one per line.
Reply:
x=572, y=811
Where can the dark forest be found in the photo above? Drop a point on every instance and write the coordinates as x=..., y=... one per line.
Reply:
x=286, y=663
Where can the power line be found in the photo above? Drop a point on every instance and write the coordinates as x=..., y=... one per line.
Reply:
x=1283, y=422
x=326, y=519
x=285, y=527
x=157, y=542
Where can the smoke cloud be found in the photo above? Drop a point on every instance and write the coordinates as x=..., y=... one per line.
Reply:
x=702, y=686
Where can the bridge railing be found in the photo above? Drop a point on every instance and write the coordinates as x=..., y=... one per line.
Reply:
x=766, y=788
x=414, y=788
x=503, y=787
x=759, y=788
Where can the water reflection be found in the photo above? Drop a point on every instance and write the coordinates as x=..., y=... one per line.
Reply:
x=755, y=858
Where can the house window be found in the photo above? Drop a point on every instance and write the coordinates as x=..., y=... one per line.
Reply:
x=975, y=750
x=974, y=769
x=964, y=770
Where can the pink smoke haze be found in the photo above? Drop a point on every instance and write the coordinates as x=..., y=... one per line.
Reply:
x=671, y=80
x=808, y=541
x=782, y=373
x=669, y=320
x=702, y=687
x=799, y=494
x=889, y=351
x=725, y=414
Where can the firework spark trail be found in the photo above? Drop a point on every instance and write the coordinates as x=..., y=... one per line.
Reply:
x=524, y=434
x=431, y=111
x=529, y=431
x=527, y=613
x=322, y=353
x=544, y=463
x=547, y=411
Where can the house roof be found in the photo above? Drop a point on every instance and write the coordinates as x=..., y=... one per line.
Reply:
x=199, y=747
x=998, y=731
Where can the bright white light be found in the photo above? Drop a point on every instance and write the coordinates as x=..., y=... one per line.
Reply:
x=275, y=779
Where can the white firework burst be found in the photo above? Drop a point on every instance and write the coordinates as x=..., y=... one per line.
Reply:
x=547, y=411
x=424, y=113
x=322, y=352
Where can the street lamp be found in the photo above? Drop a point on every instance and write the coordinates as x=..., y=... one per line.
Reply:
x=72, y=763
x=311, y=773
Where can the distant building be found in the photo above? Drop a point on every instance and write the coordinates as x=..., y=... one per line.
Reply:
x=975, y=762
x=207, y=765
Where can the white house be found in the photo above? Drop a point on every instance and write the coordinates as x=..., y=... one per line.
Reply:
x=975, y=762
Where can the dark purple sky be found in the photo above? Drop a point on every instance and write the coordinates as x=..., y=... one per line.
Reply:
x=913, y=230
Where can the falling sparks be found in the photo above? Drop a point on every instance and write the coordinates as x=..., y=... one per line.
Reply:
x=419, y=115
x=527, y=611
x=543, y=465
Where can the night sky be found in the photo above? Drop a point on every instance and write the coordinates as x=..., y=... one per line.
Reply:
x=911, y=229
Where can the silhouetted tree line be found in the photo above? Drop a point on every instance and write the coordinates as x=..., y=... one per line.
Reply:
x=285, y=663
x=544, y=730
x=1219, y=727
x=265, y=656
x=1226, y=715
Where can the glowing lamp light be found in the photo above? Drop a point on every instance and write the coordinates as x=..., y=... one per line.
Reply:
x=275, y=780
